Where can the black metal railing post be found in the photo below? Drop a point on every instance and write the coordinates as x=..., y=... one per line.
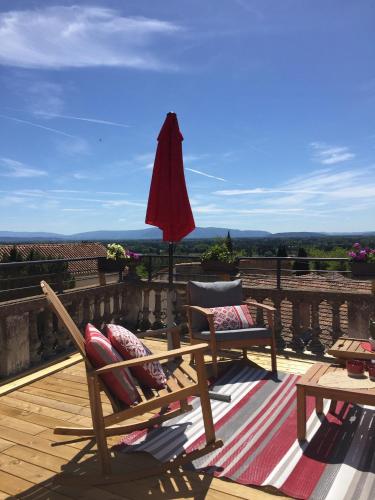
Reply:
x=278, y=274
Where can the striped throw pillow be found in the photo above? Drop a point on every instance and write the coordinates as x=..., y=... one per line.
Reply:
x=232, y=318
x=129, y=346
x=101, y=353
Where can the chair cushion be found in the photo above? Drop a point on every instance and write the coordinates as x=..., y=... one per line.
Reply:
x=214, y=294
x=129, y=346
x=232, y=317
x=100, y=353
x=243, y=334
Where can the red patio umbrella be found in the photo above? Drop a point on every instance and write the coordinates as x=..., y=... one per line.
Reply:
x=168, y=203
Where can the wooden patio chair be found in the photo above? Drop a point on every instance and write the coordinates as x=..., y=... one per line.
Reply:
x=182, y=383
x=202, y=296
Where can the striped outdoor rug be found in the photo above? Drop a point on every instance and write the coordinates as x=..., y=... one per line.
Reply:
x=260, y=448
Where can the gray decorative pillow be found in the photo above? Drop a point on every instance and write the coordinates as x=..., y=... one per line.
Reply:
x=216, y=294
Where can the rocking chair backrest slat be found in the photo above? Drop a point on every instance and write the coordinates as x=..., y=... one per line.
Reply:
x=64, y=317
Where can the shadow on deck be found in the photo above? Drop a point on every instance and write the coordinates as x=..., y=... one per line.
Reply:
x=36, y=464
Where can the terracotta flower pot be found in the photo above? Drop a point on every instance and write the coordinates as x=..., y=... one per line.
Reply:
x=218, y=266
x=363, y=269
x=111, y=265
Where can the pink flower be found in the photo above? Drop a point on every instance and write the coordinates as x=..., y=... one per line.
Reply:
x=357, y=246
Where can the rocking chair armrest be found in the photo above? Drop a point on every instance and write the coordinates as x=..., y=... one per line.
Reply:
x=203, y=310
x=153, y=357
x=257, y=304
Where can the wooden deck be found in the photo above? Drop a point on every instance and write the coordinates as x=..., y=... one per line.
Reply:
x=32, y=457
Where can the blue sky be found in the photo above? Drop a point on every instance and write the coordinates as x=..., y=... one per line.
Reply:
x=276, y=102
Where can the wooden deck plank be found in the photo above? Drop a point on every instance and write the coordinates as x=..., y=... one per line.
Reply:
x=29, y=416
x=13, y=485
x=59, y=396
x=30, y=460
x=55, y=404
x=13, y=401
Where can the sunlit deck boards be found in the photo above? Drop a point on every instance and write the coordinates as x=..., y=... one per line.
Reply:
x=30, y=463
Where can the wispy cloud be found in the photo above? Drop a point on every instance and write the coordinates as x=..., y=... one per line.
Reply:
x=330, y=155
x=13, y=168
x=38, y=125
x=81, y=36
x=205, y=175
x=81, y=118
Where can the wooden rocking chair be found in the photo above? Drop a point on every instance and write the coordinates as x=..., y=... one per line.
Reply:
x=182, y=383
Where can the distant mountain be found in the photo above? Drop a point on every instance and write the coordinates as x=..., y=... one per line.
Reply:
x=299, y=234
x=33, y=235
x=154, y=233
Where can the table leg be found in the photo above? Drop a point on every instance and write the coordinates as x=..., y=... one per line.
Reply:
x=301, y=413
x=319, y=405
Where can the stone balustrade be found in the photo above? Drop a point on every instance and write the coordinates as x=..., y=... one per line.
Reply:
x=305, y=319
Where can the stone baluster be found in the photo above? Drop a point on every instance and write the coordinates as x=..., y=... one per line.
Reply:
x=315, y=345
x=86, y=317
x=297, y=343
x=336, y=322
x=145, y=323
x=107, y=309
x=180, y=311
x=158, y=323
x=259, y=318
x=278, y=325
x=359, y=312
x=116, y=306
x=123, y=305
x=97, y=312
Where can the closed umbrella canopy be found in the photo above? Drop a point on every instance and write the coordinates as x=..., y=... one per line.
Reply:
x=168, y=203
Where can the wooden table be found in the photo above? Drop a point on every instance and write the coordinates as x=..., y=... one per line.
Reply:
x=308, y=386
x=346, y=348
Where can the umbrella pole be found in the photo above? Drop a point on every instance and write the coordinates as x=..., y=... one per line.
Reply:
x=170, y=264
x=170, y=322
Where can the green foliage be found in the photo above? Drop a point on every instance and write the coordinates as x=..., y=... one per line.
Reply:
x=229, y=243
x=218, y=252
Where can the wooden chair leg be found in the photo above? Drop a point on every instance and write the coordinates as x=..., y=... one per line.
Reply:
x=98, y=423
x=273, y=356
x=205, y=400
x=214, y=364
x=244, y=353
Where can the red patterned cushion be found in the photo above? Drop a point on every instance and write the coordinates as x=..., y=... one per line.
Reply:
x=101, y=353
x=129, y=346
x=232, y=317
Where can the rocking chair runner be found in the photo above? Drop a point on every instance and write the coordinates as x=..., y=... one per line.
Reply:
x=182, y=383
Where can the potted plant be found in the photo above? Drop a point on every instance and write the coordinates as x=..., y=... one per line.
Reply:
x=118, y=257
x=362, y=261
x=219, y=258
x=115, y=261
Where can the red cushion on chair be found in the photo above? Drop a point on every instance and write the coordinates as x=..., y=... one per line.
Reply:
x=130, y=347
x=100, y=353
x=232, y=317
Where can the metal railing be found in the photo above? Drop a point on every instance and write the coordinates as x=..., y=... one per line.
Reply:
x=20, y=279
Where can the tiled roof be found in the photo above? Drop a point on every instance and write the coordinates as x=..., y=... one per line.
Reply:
x=312, y=281
x=65, y=251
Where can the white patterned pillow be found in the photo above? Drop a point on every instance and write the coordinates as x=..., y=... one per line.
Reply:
x=232, y=318
x=130, y=347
